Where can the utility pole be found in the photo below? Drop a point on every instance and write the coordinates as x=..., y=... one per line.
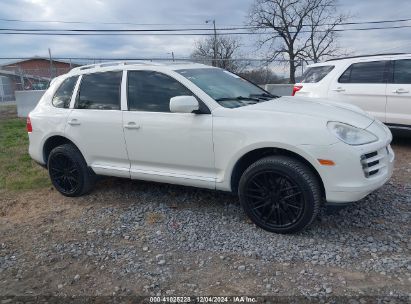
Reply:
x=172, y=55
x=51, y=65
x=214, y=62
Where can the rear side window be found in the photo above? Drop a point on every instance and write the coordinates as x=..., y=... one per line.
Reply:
x=100, y=91
x=315, y=74
x=62, y=97
x=402, y=71
x=151, y=91
x=365, y=72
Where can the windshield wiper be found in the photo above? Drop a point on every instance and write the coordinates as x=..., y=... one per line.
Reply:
x=264, y=95
x=238, y=98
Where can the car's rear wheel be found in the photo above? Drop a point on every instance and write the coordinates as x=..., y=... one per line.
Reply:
x=68, y=171
x=280, y=194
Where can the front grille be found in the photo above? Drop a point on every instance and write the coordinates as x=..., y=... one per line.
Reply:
x=372, y=163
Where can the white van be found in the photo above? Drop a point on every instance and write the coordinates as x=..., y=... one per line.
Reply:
x=379, y=84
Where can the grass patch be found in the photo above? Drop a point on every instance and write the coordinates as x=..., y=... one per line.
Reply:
x=17, y=170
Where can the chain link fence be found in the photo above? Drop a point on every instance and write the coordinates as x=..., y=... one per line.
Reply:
x=15, y=78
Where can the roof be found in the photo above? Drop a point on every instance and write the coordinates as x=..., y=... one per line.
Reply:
x=107, y=66
x=362, y=58
x=37, y=58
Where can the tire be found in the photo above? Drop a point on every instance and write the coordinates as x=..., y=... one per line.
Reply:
x=280, y=194
x=69, y=172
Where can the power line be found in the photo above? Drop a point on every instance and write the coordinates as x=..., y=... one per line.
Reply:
x=372, y=22
x=89, y=22
x=177, y=24
x=129, y=32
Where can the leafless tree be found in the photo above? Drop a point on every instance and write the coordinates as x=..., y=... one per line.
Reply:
x=227, y=52
x=260, y=75
x=322, y=35
x=296, y=30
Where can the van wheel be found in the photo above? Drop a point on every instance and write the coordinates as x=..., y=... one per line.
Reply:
x=280, y=194
x=68, y=171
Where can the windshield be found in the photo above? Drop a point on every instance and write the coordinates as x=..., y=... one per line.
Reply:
x=228, y=89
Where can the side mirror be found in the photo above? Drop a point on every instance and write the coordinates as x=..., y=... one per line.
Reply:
x=183, y=104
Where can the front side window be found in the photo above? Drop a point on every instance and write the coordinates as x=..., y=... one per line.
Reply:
x=62, y=97
x=315, y=74
x=100, y=91
x=228, y=89
x=364, y=72
x=151, y=91
x=402, y=71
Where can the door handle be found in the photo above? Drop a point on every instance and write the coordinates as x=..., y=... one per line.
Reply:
x=132, y=125
x=400, y=91
x=339, y=89
x=74, y=122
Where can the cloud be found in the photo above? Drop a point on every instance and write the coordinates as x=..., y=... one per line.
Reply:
x=165, y=13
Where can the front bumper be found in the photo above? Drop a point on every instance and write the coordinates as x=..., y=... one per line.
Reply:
x=349, y=179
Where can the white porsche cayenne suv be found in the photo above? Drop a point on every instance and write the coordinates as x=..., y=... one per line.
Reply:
x=202, y=126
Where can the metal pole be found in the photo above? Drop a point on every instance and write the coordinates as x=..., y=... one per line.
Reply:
x=215, y=44
x=51, y=65
x=172, y=55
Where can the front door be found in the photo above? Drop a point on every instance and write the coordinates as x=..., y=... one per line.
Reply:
x=164, y=146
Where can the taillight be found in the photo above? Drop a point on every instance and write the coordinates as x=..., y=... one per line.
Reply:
x=28, y=125
x=296, y=88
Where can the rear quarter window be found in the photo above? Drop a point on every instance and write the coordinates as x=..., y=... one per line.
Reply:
x=317, y=73
x=62, y=97
x=402, y=71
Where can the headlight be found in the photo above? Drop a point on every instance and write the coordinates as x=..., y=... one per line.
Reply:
x=351, y=135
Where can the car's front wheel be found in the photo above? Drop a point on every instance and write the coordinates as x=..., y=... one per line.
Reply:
x=280, y=194
x=68, y=171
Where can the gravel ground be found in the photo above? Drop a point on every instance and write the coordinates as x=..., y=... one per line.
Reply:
x=140, y=238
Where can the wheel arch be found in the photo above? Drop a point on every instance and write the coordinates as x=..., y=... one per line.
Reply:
x=258, y=153
x=55, y=141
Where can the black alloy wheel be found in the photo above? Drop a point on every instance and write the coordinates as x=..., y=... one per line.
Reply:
x=68, y=171
x=64, y=173
x=280, y=194
x=274, y=199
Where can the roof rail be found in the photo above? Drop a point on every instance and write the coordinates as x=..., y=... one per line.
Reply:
x=373, y=55
x=112, y=63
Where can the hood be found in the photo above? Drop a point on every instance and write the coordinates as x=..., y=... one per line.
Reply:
x=329, y=110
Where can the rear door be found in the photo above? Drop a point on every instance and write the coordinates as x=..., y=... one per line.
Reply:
x=399, y=93
x=95, y=124
x=363, y=84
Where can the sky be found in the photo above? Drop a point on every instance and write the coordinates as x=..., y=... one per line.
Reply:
x=172, y=13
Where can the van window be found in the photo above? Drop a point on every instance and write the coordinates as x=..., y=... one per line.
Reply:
x=315, y=74
x=100, y=91
x=402, y=71
x=62, y=97
x=364, y=72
